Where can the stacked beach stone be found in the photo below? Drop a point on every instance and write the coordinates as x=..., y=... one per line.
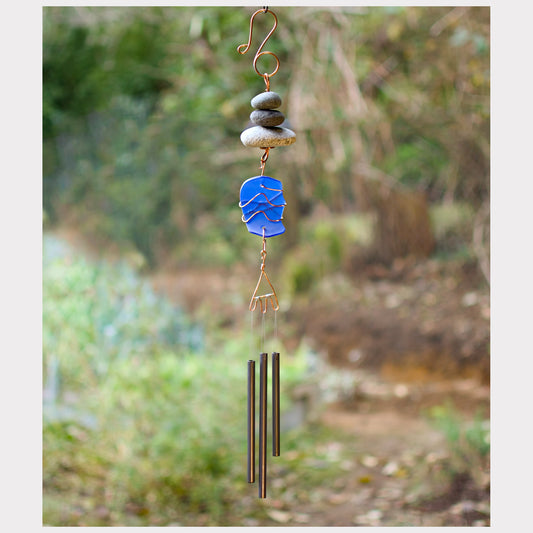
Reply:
x=267, y=132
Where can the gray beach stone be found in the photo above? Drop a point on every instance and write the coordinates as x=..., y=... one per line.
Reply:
x=261, y=137
x=267, y=117
x=266, y=100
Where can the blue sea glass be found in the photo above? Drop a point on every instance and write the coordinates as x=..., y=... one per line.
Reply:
x=262, y=204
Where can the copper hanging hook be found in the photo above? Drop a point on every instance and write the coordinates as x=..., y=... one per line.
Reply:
x=259, y=53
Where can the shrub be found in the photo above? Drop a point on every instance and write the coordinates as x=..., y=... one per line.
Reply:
x=468, y=441
x=142, y=422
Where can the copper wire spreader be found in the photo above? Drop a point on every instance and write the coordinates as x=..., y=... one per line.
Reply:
x=263, y=299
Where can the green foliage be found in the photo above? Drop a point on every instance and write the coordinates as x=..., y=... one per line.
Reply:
x=327, y=237
x=417, y=163
x=323, y=250
x=74, y=82
x=436, y=96
x=143, y=106
x=469, y=441
x=96, y=314
x=168, y=433
x=133, y=164
x=466, y=459
x=88, y=60
x=176, y=428
x=140, y=418
x=302, y=276
x=465, y=438
x=452, y=226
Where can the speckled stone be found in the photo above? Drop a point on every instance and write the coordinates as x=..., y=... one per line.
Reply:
x=267, y=117
x=261, y=137
x=266, y=100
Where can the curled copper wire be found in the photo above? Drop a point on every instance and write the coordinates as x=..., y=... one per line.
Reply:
x=264, y=158
x=259, y=52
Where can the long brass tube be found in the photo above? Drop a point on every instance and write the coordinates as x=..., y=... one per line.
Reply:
x=251, y=421
x=275, y=405
x=263, y=384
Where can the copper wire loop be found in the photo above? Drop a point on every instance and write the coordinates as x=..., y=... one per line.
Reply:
x=259, y=52
x=264, y=158
x=267, y=80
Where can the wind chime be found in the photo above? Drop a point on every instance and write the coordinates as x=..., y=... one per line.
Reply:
x=262, y=204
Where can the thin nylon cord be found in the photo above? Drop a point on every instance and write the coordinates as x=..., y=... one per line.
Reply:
x=252, y=347
x=263, y=336
x=261, y=343
x=276, y=328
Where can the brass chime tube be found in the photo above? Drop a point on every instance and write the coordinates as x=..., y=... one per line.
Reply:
x=251, y=421
x=275, y=405
x=263, y=383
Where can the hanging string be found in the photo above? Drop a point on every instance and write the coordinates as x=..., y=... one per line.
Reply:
x=252, y=336
x=275, y=328
x=260, y=344
x=263, y=336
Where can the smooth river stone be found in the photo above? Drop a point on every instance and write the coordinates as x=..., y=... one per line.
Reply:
x=261, y=137
x=267, y=117
x=266, y=100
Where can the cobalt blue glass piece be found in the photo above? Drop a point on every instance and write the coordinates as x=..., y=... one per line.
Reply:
x=262, y=204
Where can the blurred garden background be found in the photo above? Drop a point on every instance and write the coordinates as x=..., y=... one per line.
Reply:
x=382, y=273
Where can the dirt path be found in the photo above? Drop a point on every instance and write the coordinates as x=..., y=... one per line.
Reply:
x=393, y=453
x=393, y=464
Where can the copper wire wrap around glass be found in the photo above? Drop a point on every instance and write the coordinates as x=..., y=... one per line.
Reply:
x=262, y=211
x=264, y=158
